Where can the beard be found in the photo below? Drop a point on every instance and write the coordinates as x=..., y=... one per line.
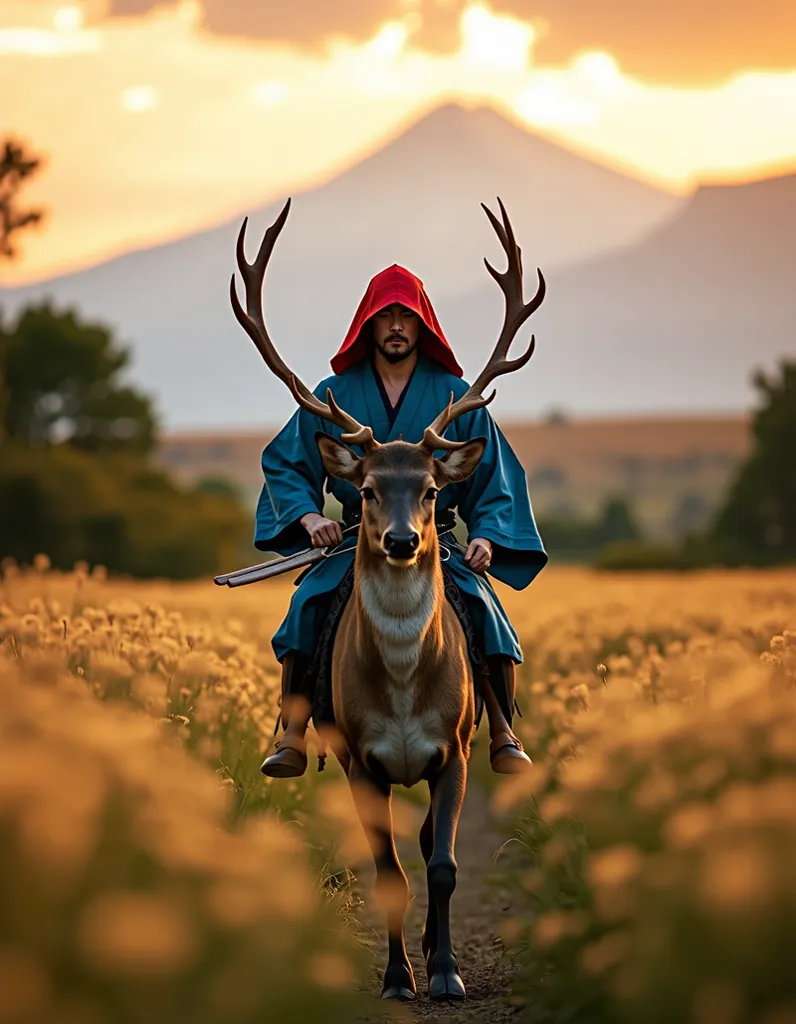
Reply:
x=395, y=357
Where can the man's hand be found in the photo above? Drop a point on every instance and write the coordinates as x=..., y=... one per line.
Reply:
x=324, y=533
x=479, y=554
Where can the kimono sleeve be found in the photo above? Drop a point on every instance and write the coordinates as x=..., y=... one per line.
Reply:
x=294, y=481
x=494, y=503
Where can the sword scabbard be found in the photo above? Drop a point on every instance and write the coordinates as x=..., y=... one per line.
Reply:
x=277, y=566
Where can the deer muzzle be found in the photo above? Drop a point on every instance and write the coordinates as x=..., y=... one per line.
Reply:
x=401, y=547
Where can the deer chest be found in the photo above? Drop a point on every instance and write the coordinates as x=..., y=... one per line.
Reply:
x=403, y=740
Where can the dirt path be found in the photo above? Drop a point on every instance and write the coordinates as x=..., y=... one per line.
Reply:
x=479, y=905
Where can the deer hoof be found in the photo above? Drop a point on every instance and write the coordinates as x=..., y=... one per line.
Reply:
x=446, y=987
x=444, y=981
x=399, y=992
x=399, y=983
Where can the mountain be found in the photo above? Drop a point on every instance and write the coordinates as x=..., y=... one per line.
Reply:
x=414, y=202
x=674, y=323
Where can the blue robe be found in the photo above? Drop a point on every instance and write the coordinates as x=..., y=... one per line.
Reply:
x=493, y=502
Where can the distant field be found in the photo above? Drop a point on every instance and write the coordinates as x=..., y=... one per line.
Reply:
x=673, y=470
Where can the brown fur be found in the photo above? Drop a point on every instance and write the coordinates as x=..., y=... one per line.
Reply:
x=401, y=476
x=401, y=677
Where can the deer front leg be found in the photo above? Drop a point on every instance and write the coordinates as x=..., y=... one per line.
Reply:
x=447, y=796
x=372, y=798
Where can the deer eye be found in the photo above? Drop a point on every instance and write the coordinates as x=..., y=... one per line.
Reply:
x=431, y=494
x=368, y=494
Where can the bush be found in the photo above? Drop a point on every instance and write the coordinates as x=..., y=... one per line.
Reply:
x=661, y=840
x=123, y=895
x=629, y=555
x=571, y=539
x=113, y=510
x=74, y=475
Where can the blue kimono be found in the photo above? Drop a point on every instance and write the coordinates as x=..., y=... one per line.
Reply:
x=493, y=502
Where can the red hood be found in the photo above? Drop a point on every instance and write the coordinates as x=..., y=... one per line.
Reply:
x=396, y=285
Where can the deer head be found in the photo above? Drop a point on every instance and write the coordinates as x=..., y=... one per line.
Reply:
x=399, y=482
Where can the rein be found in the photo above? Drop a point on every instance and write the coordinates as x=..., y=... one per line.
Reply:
x=444, y=521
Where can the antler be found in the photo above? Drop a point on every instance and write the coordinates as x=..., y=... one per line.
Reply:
x=253, y=322
x=517, y=312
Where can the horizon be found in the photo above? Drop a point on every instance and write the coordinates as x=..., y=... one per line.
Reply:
x=545, y=419
x=325, y=104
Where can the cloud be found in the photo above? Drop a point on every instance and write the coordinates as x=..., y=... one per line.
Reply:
x=125, y=7
x=673, y=41
x=668, y=40
x=154, y=126
x=299, y=21
x=307, y=23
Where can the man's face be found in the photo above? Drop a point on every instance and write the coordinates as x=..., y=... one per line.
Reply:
x=395, y=332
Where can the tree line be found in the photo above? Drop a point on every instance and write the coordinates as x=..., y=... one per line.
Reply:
x=78, y=480
x=755, y=524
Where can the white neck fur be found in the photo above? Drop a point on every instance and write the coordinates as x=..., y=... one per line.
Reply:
x=399, y=606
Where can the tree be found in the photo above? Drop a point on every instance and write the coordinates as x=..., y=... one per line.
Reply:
x=689, y=515
x=572, y=538
x=62, y=383
x=114, y=510
x=75, y=480
x=757, y=523
x=16, y=168
x=616, y=523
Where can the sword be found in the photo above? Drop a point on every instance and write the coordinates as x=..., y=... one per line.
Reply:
x=310, y=556
x=279, y=565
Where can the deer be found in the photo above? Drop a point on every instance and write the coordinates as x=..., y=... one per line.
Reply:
x=402, y=679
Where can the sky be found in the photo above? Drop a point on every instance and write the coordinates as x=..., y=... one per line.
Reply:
x=160, y=118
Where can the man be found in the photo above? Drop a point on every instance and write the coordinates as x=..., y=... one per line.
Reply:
x=395, y=371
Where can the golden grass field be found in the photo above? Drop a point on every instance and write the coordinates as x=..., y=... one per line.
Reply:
x=149, y=872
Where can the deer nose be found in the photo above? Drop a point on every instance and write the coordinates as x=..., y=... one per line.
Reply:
x=401, y=545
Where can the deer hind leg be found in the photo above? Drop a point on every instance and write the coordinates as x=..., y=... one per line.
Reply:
x=372, y=798
x=447, y=796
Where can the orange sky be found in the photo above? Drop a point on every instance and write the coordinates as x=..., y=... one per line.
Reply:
x=171, y=118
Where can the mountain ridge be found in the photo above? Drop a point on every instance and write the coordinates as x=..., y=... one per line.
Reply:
x=451, y=117
x=676, y=322
x=414, y=202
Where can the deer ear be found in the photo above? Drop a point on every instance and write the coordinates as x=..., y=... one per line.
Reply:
x=339, y=460
x=458, y=464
